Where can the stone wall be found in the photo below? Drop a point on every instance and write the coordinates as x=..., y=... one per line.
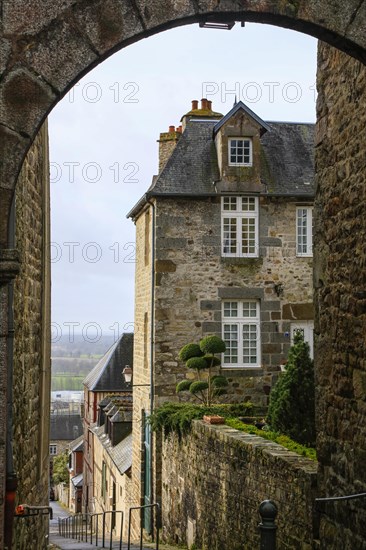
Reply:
x=141, y=356
x=340, y=283
x=192, y=279
x=214, y=480
x=31, y=375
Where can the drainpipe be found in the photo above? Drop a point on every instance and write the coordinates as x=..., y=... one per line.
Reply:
x=152, y=315
x=11, y=477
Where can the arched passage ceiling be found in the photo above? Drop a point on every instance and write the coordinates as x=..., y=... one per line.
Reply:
x=48, y=45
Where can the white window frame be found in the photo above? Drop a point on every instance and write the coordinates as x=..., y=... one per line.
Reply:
x=307, y=329
x=304, y=246
x=238, y=216
x=53, y=449
x=238, y=318
x=249, y=143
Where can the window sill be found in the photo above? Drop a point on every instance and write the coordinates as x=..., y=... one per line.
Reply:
x=252, y=261
x=241, y=368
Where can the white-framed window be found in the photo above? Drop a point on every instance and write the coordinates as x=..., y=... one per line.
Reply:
x=240, y=152
x=304, y=231
x=53, y=450
x=241, y=333
x=307, y=330
x=239, y=227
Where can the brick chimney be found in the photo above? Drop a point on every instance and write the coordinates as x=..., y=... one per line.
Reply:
x=167, y=142
x=203, y=111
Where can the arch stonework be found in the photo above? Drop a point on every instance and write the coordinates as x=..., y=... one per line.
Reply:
x=48, y=45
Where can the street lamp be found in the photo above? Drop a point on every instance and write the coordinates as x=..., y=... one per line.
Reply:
x=127, y=374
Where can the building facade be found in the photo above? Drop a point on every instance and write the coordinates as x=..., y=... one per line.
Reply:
x=223, y=246
x=103, y=381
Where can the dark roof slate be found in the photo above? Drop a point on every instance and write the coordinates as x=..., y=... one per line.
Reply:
x=287, y=163
x=65, y=427
x=107, y=373
x=192, y=167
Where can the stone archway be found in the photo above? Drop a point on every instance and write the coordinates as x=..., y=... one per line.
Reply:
x=46, y=47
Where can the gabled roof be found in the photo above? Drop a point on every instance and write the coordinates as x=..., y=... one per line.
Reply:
x=287, y=161
x=107, y=373
x=240, y=106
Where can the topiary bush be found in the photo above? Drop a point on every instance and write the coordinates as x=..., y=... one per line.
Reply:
x=292, y=401
x=200, y=358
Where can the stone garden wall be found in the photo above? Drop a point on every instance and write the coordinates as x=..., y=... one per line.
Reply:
x=214, y=480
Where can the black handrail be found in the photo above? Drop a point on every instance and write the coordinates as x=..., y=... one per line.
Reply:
x=73, y=527
x=141, y=508
x=347, y=497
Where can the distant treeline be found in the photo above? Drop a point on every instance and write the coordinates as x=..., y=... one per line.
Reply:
x=66, y=382
x=73, y=365
x=79, y=346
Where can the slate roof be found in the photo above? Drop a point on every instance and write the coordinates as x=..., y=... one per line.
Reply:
x=121, y=454
x=77, y=481
x=107, y=373
x=287, y=161
x=66, y=427
x=77, y=444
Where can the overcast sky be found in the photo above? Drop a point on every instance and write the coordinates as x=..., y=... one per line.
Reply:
x=104, y=152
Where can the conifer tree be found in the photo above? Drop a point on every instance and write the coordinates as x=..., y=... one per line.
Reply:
x=292, y=401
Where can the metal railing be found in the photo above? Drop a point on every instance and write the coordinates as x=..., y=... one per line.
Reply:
x=334, y=499
x=142, y=510
x=85, y=528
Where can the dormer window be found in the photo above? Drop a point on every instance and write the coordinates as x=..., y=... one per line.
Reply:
x=240, y=152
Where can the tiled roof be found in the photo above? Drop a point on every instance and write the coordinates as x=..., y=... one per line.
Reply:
x=287, y=162
x=121, y=454
x=107, y=373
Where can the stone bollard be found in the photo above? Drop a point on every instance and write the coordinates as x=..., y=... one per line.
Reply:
x=268, y=511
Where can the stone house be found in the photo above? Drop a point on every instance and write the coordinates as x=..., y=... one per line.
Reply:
x=76, y=475
x=223, y=246
x=112, y=461
x=104, y=380
x=63, y=430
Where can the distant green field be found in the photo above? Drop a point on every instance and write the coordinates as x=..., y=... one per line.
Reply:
x=66, y=382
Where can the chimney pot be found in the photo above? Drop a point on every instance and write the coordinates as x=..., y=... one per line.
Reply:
x=204, y=104
x=171, y=129
x=209, y=105
x=179, y=129
x=194, y=104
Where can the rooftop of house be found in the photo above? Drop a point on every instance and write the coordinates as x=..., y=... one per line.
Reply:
x=107, y=373
x=65, y=427
x=287, y=159
x=121, y=454
x=77, y=445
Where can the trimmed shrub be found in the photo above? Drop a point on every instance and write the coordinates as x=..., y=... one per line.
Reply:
x=212, y=344
x=190, y=350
